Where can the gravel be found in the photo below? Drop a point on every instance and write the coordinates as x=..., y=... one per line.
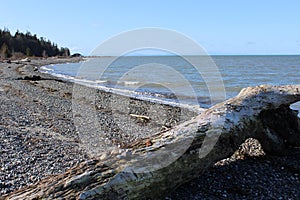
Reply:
x=35, y=138
x=247, y=174
x=38, y=138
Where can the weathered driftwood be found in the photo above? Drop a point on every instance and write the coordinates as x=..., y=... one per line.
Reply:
x=259, y=112
x=140, y=117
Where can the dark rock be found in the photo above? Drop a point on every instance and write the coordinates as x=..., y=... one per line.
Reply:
x=30, y=78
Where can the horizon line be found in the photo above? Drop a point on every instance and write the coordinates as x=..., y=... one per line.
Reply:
x=193, y=55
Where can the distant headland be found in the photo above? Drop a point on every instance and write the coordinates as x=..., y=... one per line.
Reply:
x=20, y=45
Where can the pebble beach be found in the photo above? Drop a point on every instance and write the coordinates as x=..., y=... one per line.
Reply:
x=38, y=138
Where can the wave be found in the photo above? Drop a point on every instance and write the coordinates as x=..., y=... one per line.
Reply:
x=46, y=68
x=90, y=81
x=156, y=98
x=101, y=81
x=128, y=83
x=161, y=98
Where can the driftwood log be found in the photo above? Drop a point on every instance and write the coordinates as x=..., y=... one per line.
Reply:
x=260, y=112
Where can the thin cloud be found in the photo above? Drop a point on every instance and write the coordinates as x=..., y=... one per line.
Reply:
x=251, y=43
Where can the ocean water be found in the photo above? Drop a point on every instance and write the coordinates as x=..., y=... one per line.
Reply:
x=172, y=78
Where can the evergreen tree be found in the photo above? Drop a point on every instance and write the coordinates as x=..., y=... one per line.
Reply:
x=28, y=51
x=29, y=45
x=4, y=51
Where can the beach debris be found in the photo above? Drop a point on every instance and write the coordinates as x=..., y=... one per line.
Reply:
x=7, y=61
x=148, y=143
x=30, y=78
x=25, y=60
x=261, y=112
x=141, y=118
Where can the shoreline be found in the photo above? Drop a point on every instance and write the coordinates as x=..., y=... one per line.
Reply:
x=151, y=97
x=38, y=138
x=37, y=124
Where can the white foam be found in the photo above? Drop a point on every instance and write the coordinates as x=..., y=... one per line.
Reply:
x=138, y=95
x=129, y=93
x=90, y=81
x=67, y=77
x=46, y=68
x=129, y=83
x=101, y=81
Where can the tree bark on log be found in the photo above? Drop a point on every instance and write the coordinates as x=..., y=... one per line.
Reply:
x=260, y=112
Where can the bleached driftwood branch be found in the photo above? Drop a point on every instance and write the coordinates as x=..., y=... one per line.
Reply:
x=260, y=112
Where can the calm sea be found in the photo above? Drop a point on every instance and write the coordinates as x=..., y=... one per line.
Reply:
x=172, y=78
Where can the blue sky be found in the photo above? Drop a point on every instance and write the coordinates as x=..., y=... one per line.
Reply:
x=221, y=27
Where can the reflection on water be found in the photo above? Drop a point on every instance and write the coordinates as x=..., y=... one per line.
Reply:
x=237, y=72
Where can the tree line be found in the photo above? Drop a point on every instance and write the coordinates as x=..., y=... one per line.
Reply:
x=26, y=44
